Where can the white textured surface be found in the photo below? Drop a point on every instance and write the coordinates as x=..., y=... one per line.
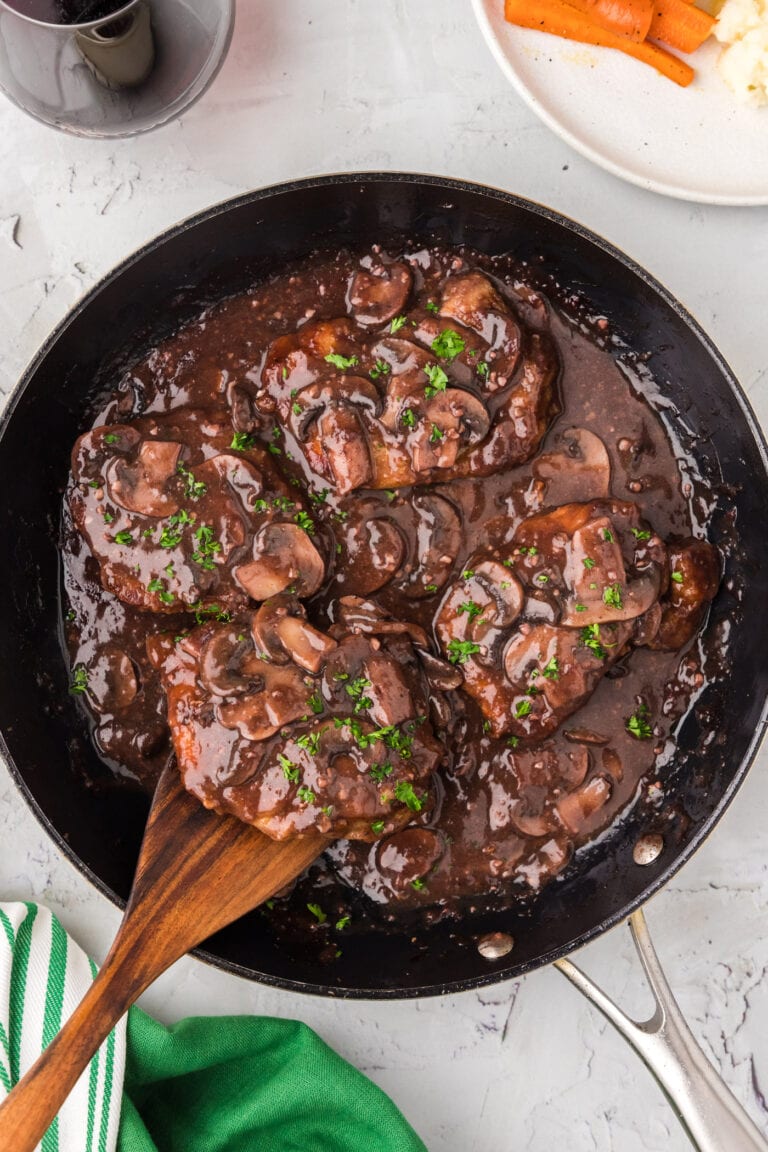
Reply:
x=313, y=86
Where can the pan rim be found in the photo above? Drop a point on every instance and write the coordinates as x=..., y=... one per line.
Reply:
x=563, y=221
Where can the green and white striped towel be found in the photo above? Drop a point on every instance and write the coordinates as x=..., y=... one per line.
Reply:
x=205, y=1084
x=43, y=977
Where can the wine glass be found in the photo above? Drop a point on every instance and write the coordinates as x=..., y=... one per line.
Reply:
x=107, y=68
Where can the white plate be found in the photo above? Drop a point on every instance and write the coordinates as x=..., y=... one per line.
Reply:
x=695, y=143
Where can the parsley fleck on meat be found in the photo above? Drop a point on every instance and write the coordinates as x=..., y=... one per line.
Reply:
x=448, y=345
x=342, y=362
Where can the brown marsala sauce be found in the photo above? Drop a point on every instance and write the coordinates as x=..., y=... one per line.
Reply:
x=499, y=827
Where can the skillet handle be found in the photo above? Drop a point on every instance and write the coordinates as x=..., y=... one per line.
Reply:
x=709, y=1113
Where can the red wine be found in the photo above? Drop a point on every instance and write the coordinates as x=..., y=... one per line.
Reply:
x=66, y=11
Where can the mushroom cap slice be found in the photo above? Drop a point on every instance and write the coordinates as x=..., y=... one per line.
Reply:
x=141, y=486
x=375, y=550
x=580, y=470
x=378, y=293
x=283, y=556
x=281, y=699
x=437, y=539
x=221, y=664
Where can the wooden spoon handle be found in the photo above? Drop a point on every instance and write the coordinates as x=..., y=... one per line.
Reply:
x=197, y=872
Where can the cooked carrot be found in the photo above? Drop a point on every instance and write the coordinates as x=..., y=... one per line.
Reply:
x=680, y=24
x=630, y=18
x=561, y=19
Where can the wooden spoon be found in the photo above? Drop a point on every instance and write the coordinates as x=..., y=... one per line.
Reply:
x=197, y=872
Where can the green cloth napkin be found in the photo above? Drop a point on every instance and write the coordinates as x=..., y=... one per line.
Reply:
x=207, y=1084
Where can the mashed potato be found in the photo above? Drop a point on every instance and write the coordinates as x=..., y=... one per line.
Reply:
x=742, y=26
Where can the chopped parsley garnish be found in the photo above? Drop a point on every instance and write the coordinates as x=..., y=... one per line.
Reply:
x=355, y=689
x=296, y=408
x=380, y=368
x=676, y=576
x=123, y=538
x=436, y=435
x=341, y=676
x=71, y=614
x=317, y=912
x=341, y=362
x=542, y=578
x=431, y=306
x=608, y=535
x=483, y=369
x=551, y=669
x=207, y=547
x=111, y=438
x=158, y=587
x=193, y=489
x=430, y=587
x=169, y=570
x=290, y=770
x=379, y=772
x=448, y=345
x=310, y=742
x=306, y=795
x=242, y=441
x=438, y=381
x=522, y=708
x=588, y=562
x=342, y=922
x=108, y=517
x=580, y=607
x=418, y=884
x=305, y=521
x=94, y=483
x=470, y=608
x=79, y=682
x=590, y=638
x=408, y=417
x=468, y=573
x=171, y=535
x=273, y=448
x=398, y=323
x=528, y=551
x=513, y=741
x=641, y=534
x=486, y=725
x=612, y=596
x=213, y=610
x=405, y=794
x=638, y=726
x=260, y=505
x=378, y=827
x=318, y=497
x=283, y=504
x=459, y=651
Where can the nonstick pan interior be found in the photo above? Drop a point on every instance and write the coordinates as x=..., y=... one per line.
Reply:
x=99, y=825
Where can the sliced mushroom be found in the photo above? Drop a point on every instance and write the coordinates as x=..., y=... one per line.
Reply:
x=472, y=300
x=260, y=714
x=440, y=673
x=499, y=595
x=581, y=470
x=378, y=293
x=306, y=646
x=597, y=579
x=92, y=448
x=112, y=680
x=437, y=539
x=375, y=550
x=389, y=694
x=577, y=808
x=358, y=615
x=407, y=856
x=345, y=448
x=142, y=486
x=284, y=556
x=452, y=422
x=221, y=664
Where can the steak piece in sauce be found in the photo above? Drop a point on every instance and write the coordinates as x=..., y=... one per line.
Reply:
x=178, y=518
x=295, y=731
x=535, y=633
x=459, y=390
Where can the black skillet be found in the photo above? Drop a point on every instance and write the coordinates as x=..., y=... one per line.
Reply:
x=44, y=735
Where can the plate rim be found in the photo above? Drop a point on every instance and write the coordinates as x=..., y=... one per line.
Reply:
x=661, y=187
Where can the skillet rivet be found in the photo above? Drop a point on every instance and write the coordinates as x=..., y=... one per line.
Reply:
x=495, y=945
x=648, y=848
